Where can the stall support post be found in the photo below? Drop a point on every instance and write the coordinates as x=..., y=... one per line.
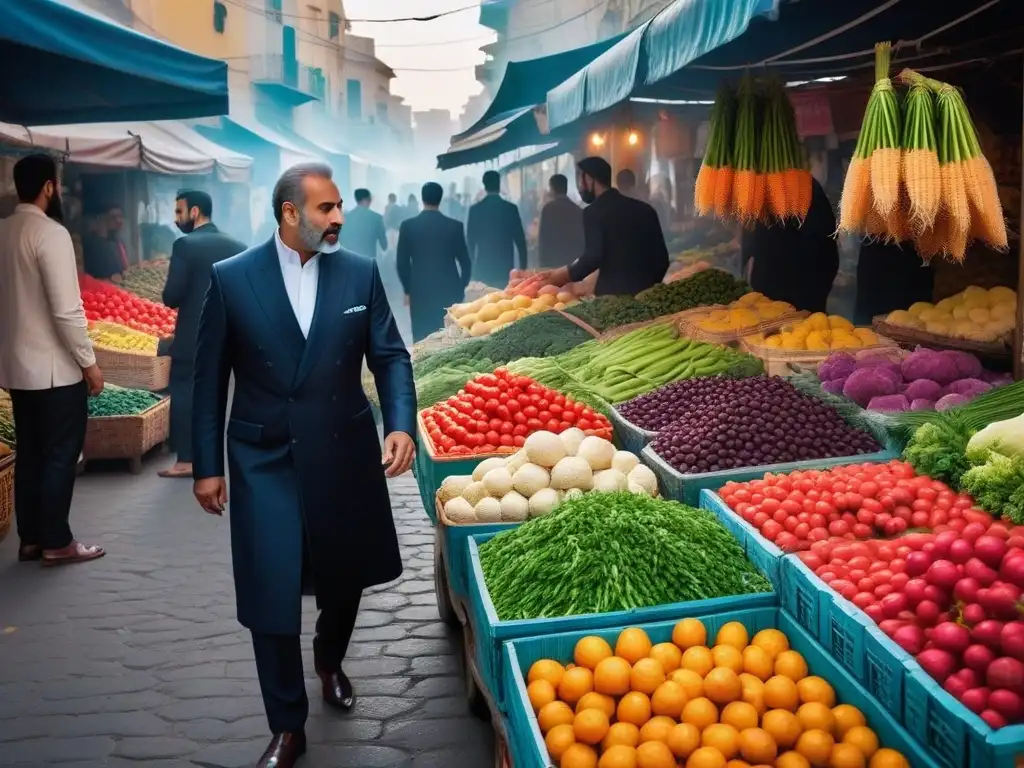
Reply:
x=1018, y=334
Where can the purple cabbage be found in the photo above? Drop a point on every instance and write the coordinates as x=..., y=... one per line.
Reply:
x=924, y=389
x=951, y=401
x=969, y=387
x=922, y=404
x=866, y=383
x=838, y=365
x=889, y=403
x=928, y=364
x=968, y=366
x=834, y=386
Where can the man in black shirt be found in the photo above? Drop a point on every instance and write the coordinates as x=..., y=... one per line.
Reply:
x=622, y=237
x=494, y=233
x=560, y=237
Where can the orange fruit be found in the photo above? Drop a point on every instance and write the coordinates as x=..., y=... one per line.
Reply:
x=590, y=651
x=847, y=716
x=737, y=764
x=559, y=739
x=611, y=676
x=683, y=740
x=888, y=758
x=625, y=734
x=814, y=716
x=654, y=754
x=757, y=662
x=700, y=712
x=579, y=756
x=772, y=640
x=706, y=757
x=792, y=760
x=669, y=656
x=757, y=746
x=590, y=726
x=780, y=693
x=846, y=756
x=575, y=683
x=699, y=659
x=863, y=738
x=691, y=683
x=734, y=634
x=546, y=669
x=646, y=676
x=555, y=713
x=633, y=644
x=669, y=698
x=753, y=692
x=814, y=688
x=688, y=633
x=727, y=656
x=722, y=737
x=792, y=665
x=634, y=708
x=541, y=692
x=816, y=746
x=722, y=685
x=657, y=729
x=594, y=700
x=619, y=756
x=783, y=726
x=740, y=715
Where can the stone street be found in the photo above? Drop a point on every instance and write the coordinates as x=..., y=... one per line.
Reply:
x=137, y=659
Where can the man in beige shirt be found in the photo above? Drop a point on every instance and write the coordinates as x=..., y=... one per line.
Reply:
x=46, y=363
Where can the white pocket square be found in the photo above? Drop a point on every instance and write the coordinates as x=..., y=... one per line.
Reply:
x=353, y=310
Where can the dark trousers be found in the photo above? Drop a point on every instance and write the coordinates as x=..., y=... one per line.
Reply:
x=181, y=408
x=279, y=663
x=49, y=425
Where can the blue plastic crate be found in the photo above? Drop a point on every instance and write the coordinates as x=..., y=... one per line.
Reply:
x=630, y=437
x=489, y=632
x=518, y=655
x=762, y=553
x=456, y=553
x=687, y=488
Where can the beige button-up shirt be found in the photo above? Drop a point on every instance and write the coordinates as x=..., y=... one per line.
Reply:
x=44, y=341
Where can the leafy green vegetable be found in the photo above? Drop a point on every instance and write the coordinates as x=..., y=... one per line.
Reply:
x=997, y=404
x=607, y=312
x=710, y=286
x=118, y=401
x=998, y=486
x=604, y=552
x=939, y=449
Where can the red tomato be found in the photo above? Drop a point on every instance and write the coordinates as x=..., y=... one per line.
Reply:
x=554, y=425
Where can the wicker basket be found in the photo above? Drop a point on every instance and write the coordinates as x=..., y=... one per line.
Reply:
x=134, y=371
x=913, y=336
x=784, y=362
x=6, y=495
x=689, y=326
x=128, y=437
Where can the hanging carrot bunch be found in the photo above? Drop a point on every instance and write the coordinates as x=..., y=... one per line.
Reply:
x=713, y=190
x=920, y=159
x=799, y=187
x=787, y=180
x=746, y=203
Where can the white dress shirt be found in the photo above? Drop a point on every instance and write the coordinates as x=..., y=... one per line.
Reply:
x=44, y=340
x=300, y=282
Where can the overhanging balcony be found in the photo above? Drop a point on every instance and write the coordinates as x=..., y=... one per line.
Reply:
x=284, y=80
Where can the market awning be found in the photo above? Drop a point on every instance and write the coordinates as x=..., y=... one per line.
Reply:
x=538, y=154
x=682, y=32
x=249, y=135
x=166, y=147
x=512, y=130
x=65, y=64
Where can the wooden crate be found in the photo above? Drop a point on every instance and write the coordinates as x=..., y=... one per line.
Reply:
x=6, y=495
x=134, y=371
x=128, y=437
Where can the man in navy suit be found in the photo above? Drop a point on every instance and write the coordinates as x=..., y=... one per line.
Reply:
x=293, y=319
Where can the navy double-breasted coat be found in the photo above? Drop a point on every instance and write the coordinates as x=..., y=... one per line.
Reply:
x=303, y=456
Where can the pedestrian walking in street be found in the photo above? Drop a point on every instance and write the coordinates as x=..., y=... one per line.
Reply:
x=46, y=363
x=364, y=228
x=188, y=279
x=433, y=263
x=560, y=236
x=495, y=231
x=293, y=319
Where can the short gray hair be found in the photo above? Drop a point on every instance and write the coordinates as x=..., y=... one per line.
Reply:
x=288, y=188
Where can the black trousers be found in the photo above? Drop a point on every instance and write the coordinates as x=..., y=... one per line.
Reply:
x=181, y=408
x=49, y=425
x=279, y=663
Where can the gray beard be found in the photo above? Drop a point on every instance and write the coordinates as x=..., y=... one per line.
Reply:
x=313, y=237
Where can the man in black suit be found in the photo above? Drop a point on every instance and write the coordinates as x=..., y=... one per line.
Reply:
x=364, y=228
x=188, y=279
x=560, y=236
x=494, y=229
x=433, y=263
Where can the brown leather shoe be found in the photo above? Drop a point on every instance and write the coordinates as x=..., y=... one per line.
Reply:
x=337, y=689
x=284, y=751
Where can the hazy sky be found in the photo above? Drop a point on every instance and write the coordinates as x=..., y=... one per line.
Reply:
x=449, y=43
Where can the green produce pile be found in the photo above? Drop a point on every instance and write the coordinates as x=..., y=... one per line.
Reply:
x=118, y=401
x=147, y=280
x=710, y=286
x=607, y=312
x=637, y=362
x=939, y=449
x=6, y=418
x=604, y=552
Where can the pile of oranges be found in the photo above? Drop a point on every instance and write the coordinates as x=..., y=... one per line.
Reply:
x=741, y=703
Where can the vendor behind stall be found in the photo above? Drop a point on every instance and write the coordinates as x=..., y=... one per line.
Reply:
x=622, y=237
x=889, y=276
x=795, y=262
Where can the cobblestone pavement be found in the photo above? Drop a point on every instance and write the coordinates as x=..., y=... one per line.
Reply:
x=137, y=659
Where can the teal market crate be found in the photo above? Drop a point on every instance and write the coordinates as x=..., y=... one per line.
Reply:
x=762, y=553
x=527, y=742
x=489, y=632
x=687, y=488
x=430, y=473
x=456, y=552
x=630, y=437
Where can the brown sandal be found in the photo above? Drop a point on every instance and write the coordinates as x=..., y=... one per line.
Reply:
x=75, y=552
